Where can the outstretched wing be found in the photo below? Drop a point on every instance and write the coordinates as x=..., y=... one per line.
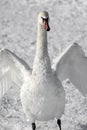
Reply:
x=12, y=70
x=72, y=64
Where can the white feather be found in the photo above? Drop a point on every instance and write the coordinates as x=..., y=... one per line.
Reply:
x=72, y=64
x=12, y=69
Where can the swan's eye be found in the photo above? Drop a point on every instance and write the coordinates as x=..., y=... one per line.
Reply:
x=44, y=19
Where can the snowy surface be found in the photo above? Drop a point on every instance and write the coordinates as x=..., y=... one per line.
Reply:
x=18, y=31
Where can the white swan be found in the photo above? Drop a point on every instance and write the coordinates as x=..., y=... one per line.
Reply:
x=42, y=95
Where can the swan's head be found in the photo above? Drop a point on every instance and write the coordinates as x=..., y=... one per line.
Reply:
x=43, y=19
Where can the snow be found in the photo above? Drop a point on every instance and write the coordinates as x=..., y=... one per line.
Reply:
x=18, y=31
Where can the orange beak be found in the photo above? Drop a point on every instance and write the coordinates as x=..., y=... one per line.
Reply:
x=46, y=25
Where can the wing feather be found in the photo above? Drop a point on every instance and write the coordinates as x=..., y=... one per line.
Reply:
x=12, y=70
x=72, y=64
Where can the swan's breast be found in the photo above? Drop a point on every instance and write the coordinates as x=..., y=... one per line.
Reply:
x=41, y=95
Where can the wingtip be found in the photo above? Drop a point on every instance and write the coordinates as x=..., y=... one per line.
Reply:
x=76, y=44
x=2, y=49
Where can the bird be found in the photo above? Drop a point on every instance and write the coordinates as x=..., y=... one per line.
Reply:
x=42, y=94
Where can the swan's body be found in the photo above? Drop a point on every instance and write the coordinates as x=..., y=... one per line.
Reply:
x=42, y=95
x=43, y=91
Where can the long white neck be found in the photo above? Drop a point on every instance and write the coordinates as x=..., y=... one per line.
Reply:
x=42, y=61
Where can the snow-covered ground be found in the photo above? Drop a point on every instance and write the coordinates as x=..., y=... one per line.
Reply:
x=18, y=31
